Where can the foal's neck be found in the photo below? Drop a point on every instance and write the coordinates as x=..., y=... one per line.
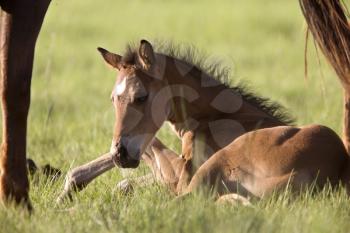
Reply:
x=210, y=101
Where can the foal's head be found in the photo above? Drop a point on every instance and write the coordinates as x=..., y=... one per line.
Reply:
x=136, y=96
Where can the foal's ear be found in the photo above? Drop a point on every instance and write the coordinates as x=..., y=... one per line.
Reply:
x=112, y=59
x=146, y=54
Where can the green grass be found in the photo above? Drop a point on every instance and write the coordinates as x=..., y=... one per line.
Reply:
x=71, y=117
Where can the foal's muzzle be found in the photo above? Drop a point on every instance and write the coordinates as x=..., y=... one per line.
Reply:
x=123, y=159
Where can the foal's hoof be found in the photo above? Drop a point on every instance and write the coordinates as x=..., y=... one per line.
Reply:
x=64, y=196
x=124, y=187
x=233, y=199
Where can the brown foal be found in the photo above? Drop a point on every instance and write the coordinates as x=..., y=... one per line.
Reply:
x=230, y=138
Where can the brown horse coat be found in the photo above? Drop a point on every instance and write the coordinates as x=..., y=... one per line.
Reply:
x=238, y=140
x=268, y=159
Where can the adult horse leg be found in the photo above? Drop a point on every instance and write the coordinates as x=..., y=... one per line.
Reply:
x=20, y=24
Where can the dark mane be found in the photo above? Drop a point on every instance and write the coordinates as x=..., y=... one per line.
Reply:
x=214, y=69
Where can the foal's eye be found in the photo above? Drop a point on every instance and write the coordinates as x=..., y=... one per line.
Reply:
x=142, y=99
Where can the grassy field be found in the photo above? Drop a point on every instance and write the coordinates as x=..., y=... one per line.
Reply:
x=71, y=116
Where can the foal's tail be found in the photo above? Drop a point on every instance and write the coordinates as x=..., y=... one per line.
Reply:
x=328, y=23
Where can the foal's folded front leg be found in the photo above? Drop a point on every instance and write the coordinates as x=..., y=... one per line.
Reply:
x=165, y=166
x=164, y=163
x=81, y=176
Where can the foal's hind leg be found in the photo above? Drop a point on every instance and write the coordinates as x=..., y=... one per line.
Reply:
x=211, y=175
x=226, y=174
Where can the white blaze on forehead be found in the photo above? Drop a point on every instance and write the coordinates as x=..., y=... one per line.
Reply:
x=120, y=88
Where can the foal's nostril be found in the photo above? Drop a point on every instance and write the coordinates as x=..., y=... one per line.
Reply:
x=122, y=151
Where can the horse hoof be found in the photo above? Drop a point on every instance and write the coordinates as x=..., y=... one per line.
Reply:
x=47, y=170
x=124, y=187
x=233, y=199
x=51, y=172
x=65, y=195
x=31, y=166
